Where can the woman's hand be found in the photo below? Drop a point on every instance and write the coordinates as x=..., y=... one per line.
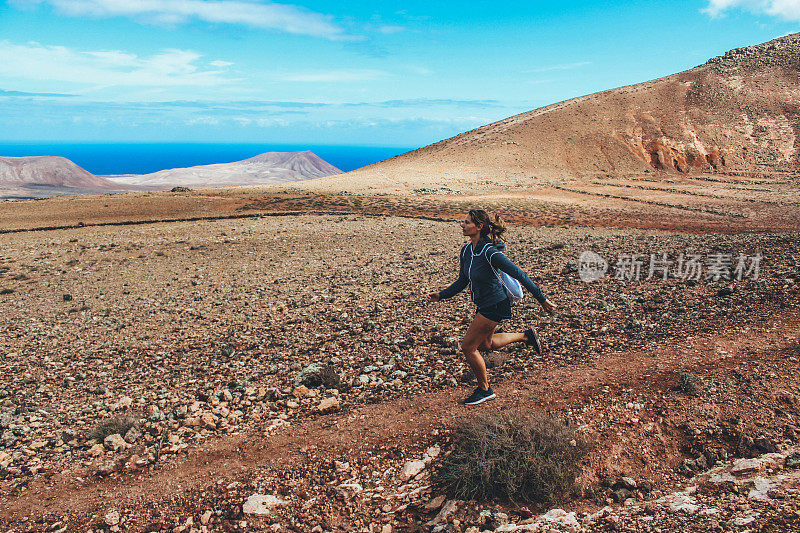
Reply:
x=433, y=297
x=549, y=307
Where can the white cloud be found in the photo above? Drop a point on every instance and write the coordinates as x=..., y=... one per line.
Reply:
x=785, y=9
x=390, y=29
x=333, y=76
x=47, y=63
x=563, y=66
x=281, y=17
x=421, y=71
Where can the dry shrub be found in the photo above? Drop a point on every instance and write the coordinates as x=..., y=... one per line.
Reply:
x=512, y=457
x=328, y=378
x=320, y=375
x=687, y=383
x=110, y=426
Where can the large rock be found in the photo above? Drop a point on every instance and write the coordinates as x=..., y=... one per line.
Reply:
x=411, y=469
x=552, y=520
x=261, y=504
x=746, y=467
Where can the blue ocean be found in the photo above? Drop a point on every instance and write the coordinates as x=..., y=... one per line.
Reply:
x=143, y=158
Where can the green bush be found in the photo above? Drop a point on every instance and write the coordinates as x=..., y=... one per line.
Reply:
x=512, y=457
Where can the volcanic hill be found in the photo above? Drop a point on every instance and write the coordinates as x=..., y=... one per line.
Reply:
x=737, y=113
x=269, y=167
x=47, y=175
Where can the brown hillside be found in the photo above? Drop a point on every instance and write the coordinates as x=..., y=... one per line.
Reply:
x=736, y=113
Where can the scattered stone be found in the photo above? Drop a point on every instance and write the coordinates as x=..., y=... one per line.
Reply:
x=328, y=404
x=447, y=509
x=624, y=483
x=431, y=454
x=765, y=445
x=151, y=344
x=725, y=291
x=620, y=495
x=97, y=450
x=300, y=392
x=349, y=490
x=679, y=503
x=562, y=518
x=115, y=443
x=761, y=488
x=124, y=403
x=209, y=421
x=108, y=468
x=570, y=268
x=133, y=435
x=792, y=461
x=436, y=502
x=112, y=517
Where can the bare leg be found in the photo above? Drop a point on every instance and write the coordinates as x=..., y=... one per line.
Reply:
x=478, y=334
x=498, y=340
x=502, y=339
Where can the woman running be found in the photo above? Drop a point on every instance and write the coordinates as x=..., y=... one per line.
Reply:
x=481, y=261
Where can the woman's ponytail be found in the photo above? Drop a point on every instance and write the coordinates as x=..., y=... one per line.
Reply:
x=497, y=228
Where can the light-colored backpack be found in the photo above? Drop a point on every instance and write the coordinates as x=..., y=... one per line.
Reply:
x=511, y=285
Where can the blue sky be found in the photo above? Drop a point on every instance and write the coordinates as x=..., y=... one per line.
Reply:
x=359, y=73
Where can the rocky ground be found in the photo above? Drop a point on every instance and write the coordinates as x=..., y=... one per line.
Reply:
x=285, y=373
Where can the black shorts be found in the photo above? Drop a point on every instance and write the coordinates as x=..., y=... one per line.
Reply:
x=497, y=312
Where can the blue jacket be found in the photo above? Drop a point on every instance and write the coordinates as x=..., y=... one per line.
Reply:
x=477, y=270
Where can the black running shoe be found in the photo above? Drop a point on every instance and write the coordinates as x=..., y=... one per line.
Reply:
x=480, y=396
x=532, y=339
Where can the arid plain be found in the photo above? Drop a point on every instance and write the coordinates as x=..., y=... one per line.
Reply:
x=199, y=328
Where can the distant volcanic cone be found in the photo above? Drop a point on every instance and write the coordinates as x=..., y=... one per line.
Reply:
x=49, y=171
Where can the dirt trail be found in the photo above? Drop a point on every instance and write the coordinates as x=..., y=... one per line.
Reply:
x=407, y=422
